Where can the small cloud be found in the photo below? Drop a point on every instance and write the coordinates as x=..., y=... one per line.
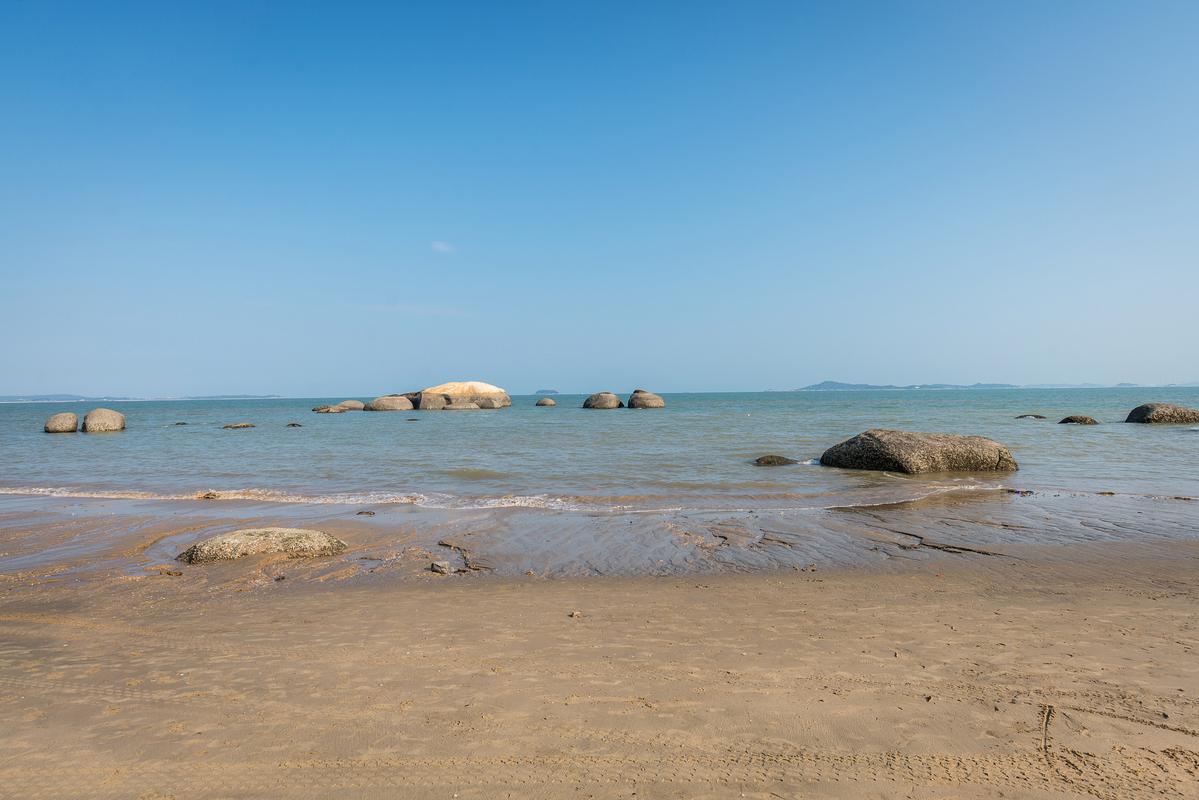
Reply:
x=441, y=247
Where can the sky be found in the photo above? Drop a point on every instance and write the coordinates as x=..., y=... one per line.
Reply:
x=316, y=199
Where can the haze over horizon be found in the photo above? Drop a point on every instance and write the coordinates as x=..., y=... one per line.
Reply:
x=284, y=199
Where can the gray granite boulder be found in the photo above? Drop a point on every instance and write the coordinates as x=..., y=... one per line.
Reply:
x=238, y=426
x=773, y=461
x=603, y=400
x=643, y=399
x=1078, y=419
x=545, y=401
x=430, y=401
x=903, y=451
x=329, y=410
x=490, y=402
x=103, y=420
x=391, y=402
x=1163, y=413
x=462, y=405
x=291, y=542
x=65, y=422
x=352, y=405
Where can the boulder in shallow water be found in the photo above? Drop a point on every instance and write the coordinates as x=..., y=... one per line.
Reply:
x=603, y=400
x=643, y=399
x=65, y=422
x=238, y=426
x=329, y=410
x=291, y=542
x=391, y=402
x=1163, y=413
x=429, y=401
x=1031, y=416
x=461, y=405
x=471, y=392
x=773, y=461
x=488, y=402
x=904, y=451
x=103, y=420
x=545, y=401
x=294, y=425
x=352, y=405
x=1078, y=419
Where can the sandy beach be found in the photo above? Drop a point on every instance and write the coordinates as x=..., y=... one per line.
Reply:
x=960, y=677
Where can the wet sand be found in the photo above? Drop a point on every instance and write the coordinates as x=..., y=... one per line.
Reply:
x=1063, y=672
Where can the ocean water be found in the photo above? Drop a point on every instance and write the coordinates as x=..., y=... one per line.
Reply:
x=694, y=455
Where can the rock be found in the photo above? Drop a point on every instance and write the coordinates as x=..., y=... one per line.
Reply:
x=460, y=405
x=294, y=425
x=441, y=567
x=488, y=402
x=903, y=451
x=292, y=542
x=103, y=420
x=66, y=422
x=430, y=401
x=237, y=426
x=471, y=392
x=389, y=402
x=643, y=399
x=603, y=400
x=352, y=405
x=365, y=513
x=575, y=614
x=546, y=401
x=1078, y=419
x=773, y=461
x=1031, y=416
x=329, y=410
x=1163, y=413
x=208, y=496
x=180, y=423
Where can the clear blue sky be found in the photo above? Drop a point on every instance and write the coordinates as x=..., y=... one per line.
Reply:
x=347, y=198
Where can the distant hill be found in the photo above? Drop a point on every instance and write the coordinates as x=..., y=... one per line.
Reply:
x=836, y=386
x=546, y=391
x=78, y=398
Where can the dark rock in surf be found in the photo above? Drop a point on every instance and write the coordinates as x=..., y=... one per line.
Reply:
x=1031, y=416
x=904, y=451
x=294, y=425
x=1164, y=414
x=1078, y=419
x=773, y=461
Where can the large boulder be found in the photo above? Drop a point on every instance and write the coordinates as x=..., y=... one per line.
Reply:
x=352, y=405
x=391, y=402
x=103, y=420
x=488, y=402
x=462, y=405
x=65, y=422
x=1164, y=413
x=903, y=451
x=603, y=400
x=546, y=401
x=429, y=401
x=643, y=399
x=471, y=392
x=1078, y=419
x=291, y=542
x=330, y=409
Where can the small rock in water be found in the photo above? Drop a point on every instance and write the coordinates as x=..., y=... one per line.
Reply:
x=440, y=567
x=180, y=423
x=773, y=461
x=294, y=425
x=1031, y=416
x=1078, y=419
x=237, y=426
x=366, y=513
x=208, y=496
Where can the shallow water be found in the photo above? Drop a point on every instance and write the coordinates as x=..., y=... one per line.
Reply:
x=693, y=455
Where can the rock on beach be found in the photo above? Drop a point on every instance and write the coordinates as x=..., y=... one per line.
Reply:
x=903, y=451
x=292, y=542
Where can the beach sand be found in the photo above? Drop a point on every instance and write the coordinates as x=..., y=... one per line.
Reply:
x=959, y=677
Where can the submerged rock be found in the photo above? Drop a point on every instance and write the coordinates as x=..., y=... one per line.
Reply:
x=391, y=402
x=103, y=420
x=643, y=399
x=1163, y=413
x=471, y=392
x=903, y=451
x=65, y=422
x=603, y=400
x=1078, y=419
x=1031, y=416
x=294, y=425
x=773, y=461
x=546, y=401
x=237, y=426
x=292, y=542
x=352, y=405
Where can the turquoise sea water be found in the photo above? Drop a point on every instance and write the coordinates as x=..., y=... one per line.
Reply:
x=694, y=454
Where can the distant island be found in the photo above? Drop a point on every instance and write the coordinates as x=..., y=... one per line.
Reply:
x=836, y=386
x=78, y=398
x=546, y=391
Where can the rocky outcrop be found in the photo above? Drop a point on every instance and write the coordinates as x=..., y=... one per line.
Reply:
x=103, y=420
x=470, y=392
x=461, y=405
x=329, y=410
x=352, y=405
x=1163, y=413
x=773, y=461
x=65, y=422
x=603, y=400
x=546, y=401
x=237, y=426
x=1031, y=416
x=903, y=451
x=429, y=401
x=1078, y=419
x=291, y=542
x=488, y=402
x=391, y=402
x=643, y=399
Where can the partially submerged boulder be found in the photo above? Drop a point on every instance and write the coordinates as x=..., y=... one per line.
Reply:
x=291, y=542
x=103, y=420
x=429, y=401
x=1163, y=413
x=903, y=451
x=488, y=402
x=545, y=401
x=471, y=392
x=391, y=402
x=603, y=400
x=1078, y=419
x=352, y=405
x=66, y=422
x=460, y=405
x=330, y=409
x=1031, y=416
x=237, y=426
x=643, y=399
x=773, y=461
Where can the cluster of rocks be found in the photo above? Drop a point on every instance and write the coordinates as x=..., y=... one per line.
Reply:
x=453, y=396
x=98, y=420
x=640, y=398
x=1160, y=413
x=344, y=405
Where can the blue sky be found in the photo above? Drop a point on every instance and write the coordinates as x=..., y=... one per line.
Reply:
x=316, y=199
